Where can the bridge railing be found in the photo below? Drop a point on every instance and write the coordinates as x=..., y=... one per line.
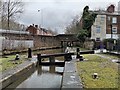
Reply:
x=67, y=57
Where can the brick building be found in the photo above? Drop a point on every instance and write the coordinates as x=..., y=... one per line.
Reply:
x=36, y=30
x=119, y=6
x=106, y=25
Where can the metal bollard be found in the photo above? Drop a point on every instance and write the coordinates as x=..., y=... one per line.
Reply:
x=68, y=57
x=17, y=57
x=95, y=75
x=52, y=60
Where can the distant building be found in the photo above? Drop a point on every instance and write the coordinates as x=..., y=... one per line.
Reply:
x=35, y=30
x=119, y=6
x=3, y=31
x=106, y=25
x=98, y=29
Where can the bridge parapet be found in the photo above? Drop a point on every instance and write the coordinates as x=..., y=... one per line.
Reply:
x=67, y=57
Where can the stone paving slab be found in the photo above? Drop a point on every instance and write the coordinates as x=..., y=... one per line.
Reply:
x=71, y=79
x=69, y=67
x=72, y=87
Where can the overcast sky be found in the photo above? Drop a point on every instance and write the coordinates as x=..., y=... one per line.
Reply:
x=57, y=14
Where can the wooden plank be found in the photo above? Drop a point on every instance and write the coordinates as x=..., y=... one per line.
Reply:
x=56, y=55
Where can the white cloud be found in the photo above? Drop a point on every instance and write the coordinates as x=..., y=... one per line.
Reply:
x=57, y=14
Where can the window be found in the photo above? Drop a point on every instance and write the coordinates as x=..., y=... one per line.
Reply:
x=97, y=39
x=114, y=29
x=102, y=18
x=114, y=20
x=98, y=29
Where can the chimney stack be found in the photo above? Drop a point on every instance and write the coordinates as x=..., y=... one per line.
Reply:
x=36, y=26
x=111, y=9
x=33, y=25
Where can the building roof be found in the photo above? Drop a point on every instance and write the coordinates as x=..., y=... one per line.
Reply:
x=109, y=11
x=116, y=13
x=13, y=31
x=45, y=30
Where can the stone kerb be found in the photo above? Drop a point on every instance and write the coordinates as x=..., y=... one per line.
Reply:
x=70, y=77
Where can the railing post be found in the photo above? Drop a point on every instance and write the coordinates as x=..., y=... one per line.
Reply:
x=65, y=57
x=39, y=71
x=52, y=68
x=78, y=52
x=52, y=59
x=78, y=55
x=29, y=53
x=39, y=58
x=61, y=44
x=68, y=57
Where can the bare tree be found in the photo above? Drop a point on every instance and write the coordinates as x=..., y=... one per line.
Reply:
x=53, y=32
x=0, y=12
x=11, y=8
x=73, y=28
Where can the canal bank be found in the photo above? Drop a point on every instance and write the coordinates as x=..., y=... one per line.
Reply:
x=42, y=74
x=31, y=75
x=70, y=79
x=10, y=76
x=22, y=70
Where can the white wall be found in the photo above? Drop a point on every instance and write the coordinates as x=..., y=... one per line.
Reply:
x=13, y=31
x=100, y=21
x=114, y=36
x=16, y=44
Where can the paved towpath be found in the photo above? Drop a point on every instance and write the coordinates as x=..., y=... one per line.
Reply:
x=106, y=57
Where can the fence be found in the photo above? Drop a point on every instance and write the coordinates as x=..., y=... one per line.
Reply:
x=113, y=46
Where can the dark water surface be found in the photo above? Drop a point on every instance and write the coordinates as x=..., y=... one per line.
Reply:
x=43, y=77
x=47, y=78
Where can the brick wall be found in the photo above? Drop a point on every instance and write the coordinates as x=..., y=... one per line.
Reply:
x=42, y=40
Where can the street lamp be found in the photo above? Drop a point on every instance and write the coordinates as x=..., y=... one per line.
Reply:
x=41, y=20
x=41, y=16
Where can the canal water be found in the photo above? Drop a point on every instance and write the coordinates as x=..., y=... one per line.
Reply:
x=41, y=77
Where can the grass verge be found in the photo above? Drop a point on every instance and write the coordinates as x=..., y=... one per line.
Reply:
x=107, y=72
x=8, y=62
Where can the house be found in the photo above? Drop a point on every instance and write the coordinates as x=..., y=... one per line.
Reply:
x=36, y=30
x=33, y=29
x=106, y=25
x=46, y=32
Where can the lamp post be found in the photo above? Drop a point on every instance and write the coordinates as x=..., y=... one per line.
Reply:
x=41, y=20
